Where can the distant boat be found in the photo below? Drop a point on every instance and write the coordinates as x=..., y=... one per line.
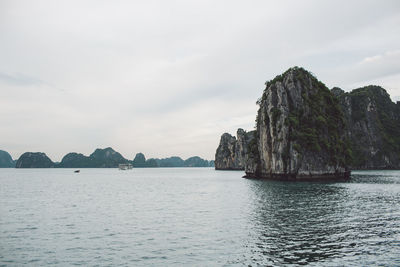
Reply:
x=77, y=171
x=126, y=166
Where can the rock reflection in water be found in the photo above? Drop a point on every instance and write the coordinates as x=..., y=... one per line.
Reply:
x=306, y=223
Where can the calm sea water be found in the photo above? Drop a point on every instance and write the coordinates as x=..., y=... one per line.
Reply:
x=195, y=216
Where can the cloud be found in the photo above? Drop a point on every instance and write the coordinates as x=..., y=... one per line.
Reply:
x=19, y=79
x=391, y=56
x=371, y=69
x=170, y=77
x=381, y=65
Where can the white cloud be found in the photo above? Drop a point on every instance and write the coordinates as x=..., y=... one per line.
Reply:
x=392, y=56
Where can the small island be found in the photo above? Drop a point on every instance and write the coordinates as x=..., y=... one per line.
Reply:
x=304, y=131
x=6, y=160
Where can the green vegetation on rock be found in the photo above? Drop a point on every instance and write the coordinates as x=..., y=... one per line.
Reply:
x=317, y=124
x=304, y=128
x=373, y=123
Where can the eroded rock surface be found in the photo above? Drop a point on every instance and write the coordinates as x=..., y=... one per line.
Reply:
x=373, y=127
x=300, y=130
x=232, y=151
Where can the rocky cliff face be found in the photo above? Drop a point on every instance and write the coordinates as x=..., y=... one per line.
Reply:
x=232, y=151
x=34, y=160
x=373, y=127
x=5, y=160
x=305, y=131
x=300, y=130
x=225, y=154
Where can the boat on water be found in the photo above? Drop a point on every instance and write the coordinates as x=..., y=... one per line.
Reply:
x=125, y=166
x=77, y=171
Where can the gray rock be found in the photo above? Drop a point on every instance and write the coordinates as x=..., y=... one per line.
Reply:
x=231, y=152
x=306, y=131
x=300, y=131
x=373, y=127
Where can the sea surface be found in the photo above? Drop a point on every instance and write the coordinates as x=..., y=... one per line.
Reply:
x=195, y=217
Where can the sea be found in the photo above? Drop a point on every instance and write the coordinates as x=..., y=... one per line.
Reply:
x=196, y=217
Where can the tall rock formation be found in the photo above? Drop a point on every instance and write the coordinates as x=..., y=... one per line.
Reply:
x=34, y=160
x=225, y=155
x=300, y=130
x=5, y=160
x=231, y=152
x=373, y=127
x=305, y=131
x=300, y=133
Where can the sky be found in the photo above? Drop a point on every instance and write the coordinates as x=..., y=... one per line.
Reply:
x=168, y=78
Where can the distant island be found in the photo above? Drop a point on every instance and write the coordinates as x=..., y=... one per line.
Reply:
x=306, y=131
x=100, y=158
x=5, y=160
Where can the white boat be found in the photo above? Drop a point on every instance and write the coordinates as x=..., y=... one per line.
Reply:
x=125, y=166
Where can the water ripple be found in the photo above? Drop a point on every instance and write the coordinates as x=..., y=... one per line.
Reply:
x=162, y=217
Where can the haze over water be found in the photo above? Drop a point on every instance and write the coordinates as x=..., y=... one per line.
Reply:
x=191, y=216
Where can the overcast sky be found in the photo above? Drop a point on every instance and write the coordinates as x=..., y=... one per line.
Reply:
x=169, y=77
